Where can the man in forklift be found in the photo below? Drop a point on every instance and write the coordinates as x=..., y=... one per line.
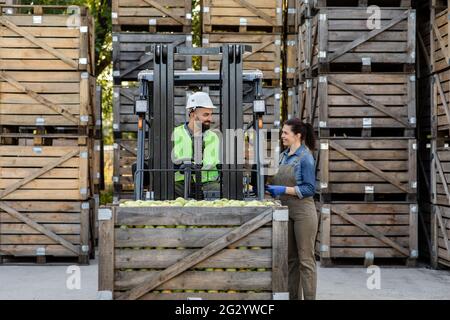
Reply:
x=200, y=108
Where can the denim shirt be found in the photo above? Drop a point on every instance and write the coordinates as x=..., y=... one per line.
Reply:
x=305, y=171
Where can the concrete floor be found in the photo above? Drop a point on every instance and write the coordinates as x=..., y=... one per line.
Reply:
x=49, y=282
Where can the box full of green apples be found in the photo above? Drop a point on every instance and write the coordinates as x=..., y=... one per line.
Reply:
x=186, y=249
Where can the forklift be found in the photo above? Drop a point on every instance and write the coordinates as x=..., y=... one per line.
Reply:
x=154, y=173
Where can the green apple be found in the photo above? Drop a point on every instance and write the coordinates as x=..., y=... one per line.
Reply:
x=177, y=291
x=166, y=291
x=231, y=291
x=213, y=291
x=160, y=227
x=230, y=269
x=255, y=248
x=209, y=269
x=124, y=227
x=181, y=248
x=160, y=248
x=181, y=227
x=129, y=270
x=218, y=270
x=189, y=291
x=149, y=227
x=261, y=269
x=242, y=248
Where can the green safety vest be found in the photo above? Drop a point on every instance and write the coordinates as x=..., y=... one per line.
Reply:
x=183, y=149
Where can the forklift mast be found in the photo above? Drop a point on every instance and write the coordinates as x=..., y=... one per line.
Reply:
x=156, y=118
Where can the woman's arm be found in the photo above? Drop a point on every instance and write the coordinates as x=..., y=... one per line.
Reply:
x=305, y=173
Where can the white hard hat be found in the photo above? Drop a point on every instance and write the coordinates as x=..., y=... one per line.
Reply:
x=199, y=100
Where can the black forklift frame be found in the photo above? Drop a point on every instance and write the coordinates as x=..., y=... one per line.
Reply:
x=155, y=110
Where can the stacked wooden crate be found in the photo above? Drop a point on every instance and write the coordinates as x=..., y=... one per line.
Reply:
x=178, y=253
x=137, y=24
x=259, y=25
x=359, y=92
x=440, y=65
x=49, y=131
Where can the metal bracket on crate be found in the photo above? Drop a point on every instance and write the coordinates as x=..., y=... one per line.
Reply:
x=369, y=189
x=324, y=146
x=40, y=121
x=324, y=248
x=367, y=123
x=85, y=205
x=281, y=215
x=104, y=295
x=414, y=254
x=413, y=208
x=104, y=214
x=37, y=19
x=40, y=251
x=412, y=120
x=280, y=296
x=325, y=210
x=37, y=150
x=323, y=185
x=85, y=248
x=82, y=61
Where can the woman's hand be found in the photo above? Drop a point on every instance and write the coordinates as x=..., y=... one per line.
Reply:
x=275, y=191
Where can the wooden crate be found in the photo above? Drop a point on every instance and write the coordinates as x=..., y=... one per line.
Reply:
x=179, y=255
x=440, y=57
x=47, y=38
x=45, y=228
x=290, y=15
x=372, y=104
x=345, y=40
x=152, y=16
x=290, y=67
x=440, y=173
x=368, y=231
x=47, y=98
x=125, y=153
x=265, y=55
x=44, y=173
x=125, y=120
x=440, y=100
x=129, y=53
x=367, y=169
x=272, y=99
x=242, y=16
x=440, y=235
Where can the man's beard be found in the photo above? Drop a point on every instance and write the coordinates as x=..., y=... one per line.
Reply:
x=206, y=126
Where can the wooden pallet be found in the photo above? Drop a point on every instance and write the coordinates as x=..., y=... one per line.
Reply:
x=440, y=236
x=44, y=229
x=342, y=41
x=367, y=169
x=440, y=57
x=152, y=16
x=290, y=15
x=179, y=257
x=242, y=16
x=265, y=55
x=440, y=173
x=129, y=53
x=367, y=231
x=358, y=104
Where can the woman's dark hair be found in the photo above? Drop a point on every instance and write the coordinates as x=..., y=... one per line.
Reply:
x=305, y=129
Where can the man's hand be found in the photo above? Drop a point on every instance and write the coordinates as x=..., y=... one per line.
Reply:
x=275, y=191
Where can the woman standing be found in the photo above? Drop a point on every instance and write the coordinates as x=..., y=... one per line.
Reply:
x=295, y=185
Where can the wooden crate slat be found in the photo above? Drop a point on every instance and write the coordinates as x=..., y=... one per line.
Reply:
x=197, y=280
x=245, y=271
